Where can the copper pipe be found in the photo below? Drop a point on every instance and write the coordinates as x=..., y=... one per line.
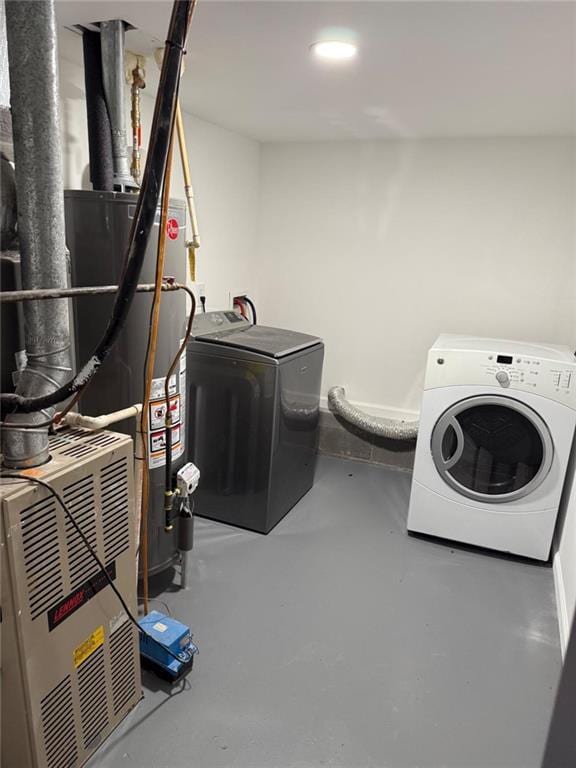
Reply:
x=138, y=83
x=151, y=357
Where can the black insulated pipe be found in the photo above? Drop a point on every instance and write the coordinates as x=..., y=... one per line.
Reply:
x=186, y=529
x=142, y=223
x=99, y=129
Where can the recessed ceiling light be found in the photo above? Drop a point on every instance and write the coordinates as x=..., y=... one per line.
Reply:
x=334, y=49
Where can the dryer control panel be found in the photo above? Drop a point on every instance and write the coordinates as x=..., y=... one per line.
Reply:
x=552, y=378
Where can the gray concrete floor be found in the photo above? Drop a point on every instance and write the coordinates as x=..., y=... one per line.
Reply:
x=338, y=640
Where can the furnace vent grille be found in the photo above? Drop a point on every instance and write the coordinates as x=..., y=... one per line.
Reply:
x=93, y=700
x=72, y=443
x=123, y=661
x=103, y=439
x=42, y=563
x=79, y=497
x=76, y=443
x=115, y=518
x=59, y=726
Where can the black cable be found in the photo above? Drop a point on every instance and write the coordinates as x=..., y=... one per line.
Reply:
x=142, y=223
x=168, y=485
x=252, y=308
x=101, y=566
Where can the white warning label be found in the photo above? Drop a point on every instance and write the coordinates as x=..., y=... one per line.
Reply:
x=157, y=390
x=157, y=417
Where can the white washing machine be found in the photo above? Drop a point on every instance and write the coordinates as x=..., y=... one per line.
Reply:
x=496, y=430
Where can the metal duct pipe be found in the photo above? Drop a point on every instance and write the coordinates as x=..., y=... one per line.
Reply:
x=4, y=84
x=112, y=44
x=8, y=297
x=32, y=56
x=391, y=428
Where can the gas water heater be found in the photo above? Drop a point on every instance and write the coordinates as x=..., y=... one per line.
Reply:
x=97, y=230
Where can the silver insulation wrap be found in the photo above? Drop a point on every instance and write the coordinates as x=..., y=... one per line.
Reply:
x=390, y=428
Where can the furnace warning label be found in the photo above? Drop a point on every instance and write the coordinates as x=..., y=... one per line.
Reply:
x=87, y=648
x=157, y=418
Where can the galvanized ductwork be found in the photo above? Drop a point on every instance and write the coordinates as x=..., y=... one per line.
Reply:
x=112, y=43
x=32, y=52
x=390, y=428
x=4, y=83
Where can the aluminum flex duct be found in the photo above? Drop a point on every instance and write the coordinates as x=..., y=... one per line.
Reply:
x=112, y=43
x=32, y=54
x=390, y=428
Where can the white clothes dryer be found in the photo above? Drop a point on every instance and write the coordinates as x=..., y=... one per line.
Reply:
x=496, y=430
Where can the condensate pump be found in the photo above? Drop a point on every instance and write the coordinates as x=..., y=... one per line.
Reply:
x=175, y=656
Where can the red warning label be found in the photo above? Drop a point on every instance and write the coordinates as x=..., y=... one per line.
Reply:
x=158, y=434
x=158, y=412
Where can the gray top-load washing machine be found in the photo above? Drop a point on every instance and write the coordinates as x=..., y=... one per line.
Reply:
x=253, y=395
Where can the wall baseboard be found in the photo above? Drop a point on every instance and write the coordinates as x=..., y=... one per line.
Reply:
x=380, y=411
x=562, y=608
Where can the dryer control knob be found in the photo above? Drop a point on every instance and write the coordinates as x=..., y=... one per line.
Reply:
x=503, y=378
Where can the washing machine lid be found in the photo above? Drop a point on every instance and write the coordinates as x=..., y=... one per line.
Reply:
x=234, y=331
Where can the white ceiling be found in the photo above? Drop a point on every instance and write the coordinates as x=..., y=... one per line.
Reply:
x=424, y=68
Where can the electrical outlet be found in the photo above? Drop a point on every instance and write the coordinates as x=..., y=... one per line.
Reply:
x=199, y=291
x=236, y=294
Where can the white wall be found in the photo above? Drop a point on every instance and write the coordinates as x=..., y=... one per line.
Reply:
x=565, y=557
x=380, y=246
x=225, y=173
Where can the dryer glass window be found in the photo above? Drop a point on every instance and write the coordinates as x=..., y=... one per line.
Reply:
x=449, y=443
x=502, y=450
x=492, y=448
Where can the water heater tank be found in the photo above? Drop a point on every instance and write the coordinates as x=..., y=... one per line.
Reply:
x=97, y=231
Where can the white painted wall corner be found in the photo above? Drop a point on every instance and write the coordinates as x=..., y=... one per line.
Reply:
x=561, y=603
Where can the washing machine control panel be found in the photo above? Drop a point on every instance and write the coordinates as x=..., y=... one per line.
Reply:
x=218, y=322
x=550, y=378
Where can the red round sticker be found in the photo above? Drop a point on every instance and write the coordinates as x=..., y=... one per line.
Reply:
x=172, y=229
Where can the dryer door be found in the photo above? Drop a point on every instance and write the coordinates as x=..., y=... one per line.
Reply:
x=492, y=448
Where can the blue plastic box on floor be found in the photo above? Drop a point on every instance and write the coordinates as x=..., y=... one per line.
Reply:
x=161, y=630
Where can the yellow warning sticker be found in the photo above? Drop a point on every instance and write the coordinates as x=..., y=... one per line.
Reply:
x=88, y=647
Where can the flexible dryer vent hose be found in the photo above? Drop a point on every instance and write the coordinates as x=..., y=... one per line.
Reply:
x=391, y=428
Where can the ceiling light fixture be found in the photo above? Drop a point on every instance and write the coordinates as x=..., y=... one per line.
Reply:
x=335, y=50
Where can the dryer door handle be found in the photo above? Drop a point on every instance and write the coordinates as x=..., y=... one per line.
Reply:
x=457, y=455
